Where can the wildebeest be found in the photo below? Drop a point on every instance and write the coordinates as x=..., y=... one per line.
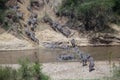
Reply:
x=34, y=15
x=83, y=58
x=66, y=57
x=64, y=30
x=55, y=25
x=48, y=20
x=29, y=8
x=16, y=7
x=32, y=37
x=32, y=22
x=73, y=43
x=91, y=64
x=19, y=15
x=27, y=30
x=87, y=58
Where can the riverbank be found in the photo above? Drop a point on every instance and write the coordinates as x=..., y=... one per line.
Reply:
x=10, y=42
x=73, y=70
x=51, y=37
x=45, y=34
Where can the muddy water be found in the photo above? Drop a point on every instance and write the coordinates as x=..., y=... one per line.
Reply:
x=49, y=55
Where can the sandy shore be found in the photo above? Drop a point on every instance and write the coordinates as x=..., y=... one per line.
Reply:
x=73, y=70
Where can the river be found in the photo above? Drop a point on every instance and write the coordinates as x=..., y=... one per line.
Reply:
x=50, y=55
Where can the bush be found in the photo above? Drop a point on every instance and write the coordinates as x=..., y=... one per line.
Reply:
x=31, y=72
x=27, y=71
x=94, y=14
x=116, y=73
x=7, y=73
x=2, y=10
x=116, y=7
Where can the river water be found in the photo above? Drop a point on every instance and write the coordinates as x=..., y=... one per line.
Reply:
x=50, y=55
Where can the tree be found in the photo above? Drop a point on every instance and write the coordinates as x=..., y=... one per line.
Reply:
x=2, y=10
x=116, y=7
x=94, y=14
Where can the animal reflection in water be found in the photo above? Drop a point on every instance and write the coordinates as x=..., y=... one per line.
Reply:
x=80, y=55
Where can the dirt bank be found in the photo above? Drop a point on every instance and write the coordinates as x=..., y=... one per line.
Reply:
x=46, y=34
x=10, y=42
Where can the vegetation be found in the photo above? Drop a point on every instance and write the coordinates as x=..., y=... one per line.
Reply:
x=25, y=72
x=116, y=73
x=6, y=73
x=2, y=10
x=116, y=7
x=94, y=14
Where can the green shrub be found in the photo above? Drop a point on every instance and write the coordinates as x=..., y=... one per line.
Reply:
x=94, y=14
x=31, y=71
x=116, y=73
x=2, y=10
x=27, y=71
x=4, y=73
x=37, y=72
x=116, y=7
x=7, y=73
